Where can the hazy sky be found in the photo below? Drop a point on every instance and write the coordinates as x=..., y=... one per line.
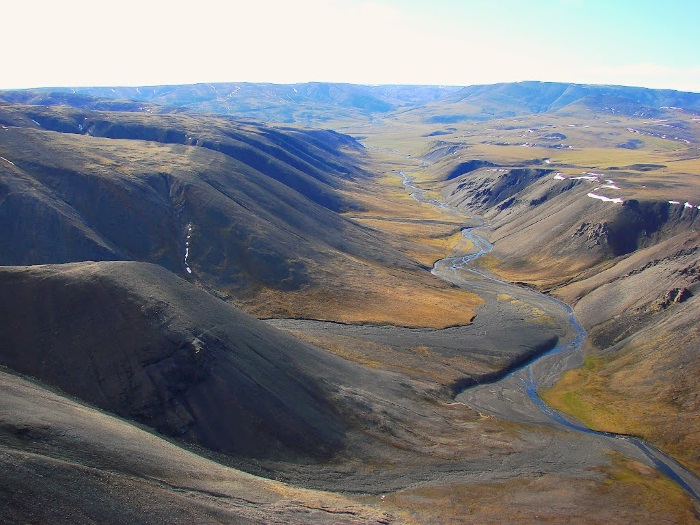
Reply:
x=653, y=43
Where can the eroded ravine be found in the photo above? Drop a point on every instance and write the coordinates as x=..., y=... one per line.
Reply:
x=513, y=395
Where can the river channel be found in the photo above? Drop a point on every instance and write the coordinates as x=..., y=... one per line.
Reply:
x=514, y=395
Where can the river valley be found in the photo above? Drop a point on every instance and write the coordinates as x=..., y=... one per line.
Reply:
x=522, y=340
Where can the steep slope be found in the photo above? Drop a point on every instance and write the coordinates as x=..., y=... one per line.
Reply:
x=134, y=339
x=642, y=377
x=248, y=211
x=554, y=227
x=311, y=162
x=64, y=462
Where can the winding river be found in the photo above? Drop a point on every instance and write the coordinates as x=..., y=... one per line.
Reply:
x=523, y=382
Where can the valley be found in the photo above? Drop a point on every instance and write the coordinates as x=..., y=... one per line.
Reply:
x=217, y=319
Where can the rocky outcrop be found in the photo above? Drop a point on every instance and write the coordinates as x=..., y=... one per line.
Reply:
x=594, y=234
x=673, y=296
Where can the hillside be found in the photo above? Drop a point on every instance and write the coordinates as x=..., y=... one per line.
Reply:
x=134, y=339
x=523, y=98
x=248, y=211
x=65, y=462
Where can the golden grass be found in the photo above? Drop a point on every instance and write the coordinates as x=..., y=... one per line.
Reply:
x=425, y=242
x=603, y=158
x=630, y=493
x=582, y=393
x=610, y=394
x=539, y=271
x=595, y=148
x=397, y=297
x=534, y=313
x=384, y=295
x=651, y=490
x=387, y=198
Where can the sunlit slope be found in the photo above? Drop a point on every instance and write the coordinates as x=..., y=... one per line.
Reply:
x=642, y=313
x=515, y=99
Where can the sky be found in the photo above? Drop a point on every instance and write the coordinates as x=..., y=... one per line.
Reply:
x=651, y=43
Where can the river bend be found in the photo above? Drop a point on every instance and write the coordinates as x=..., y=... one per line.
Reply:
x=514, y=396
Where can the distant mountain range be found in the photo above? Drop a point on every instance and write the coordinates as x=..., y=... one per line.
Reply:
x=316, y=103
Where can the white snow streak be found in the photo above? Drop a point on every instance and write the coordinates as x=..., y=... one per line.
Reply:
x=609, y=184
x=616, y=200
x=187, y=247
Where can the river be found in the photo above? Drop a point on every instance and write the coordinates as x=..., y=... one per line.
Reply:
x=523, y=382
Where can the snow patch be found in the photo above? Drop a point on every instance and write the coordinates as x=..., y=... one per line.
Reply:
x=674, y=202
x=603, y=198
x=559, y=176
x=8, y=161
x=688, y=205
x=187, y=247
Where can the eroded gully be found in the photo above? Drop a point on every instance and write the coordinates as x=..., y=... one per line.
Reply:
x=514, y=396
